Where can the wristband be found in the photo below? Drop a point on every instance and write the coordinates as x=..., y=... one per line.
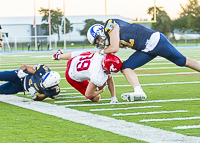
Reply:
x=102, y=52
x=1, y=39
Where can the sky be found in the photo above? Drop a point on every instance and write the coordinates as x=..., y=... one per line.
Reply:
x=126, y=8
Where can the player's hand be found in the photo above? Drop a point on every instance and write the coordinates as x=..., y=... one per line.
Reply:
x=56, y=56
x=32, y=91
x=21, y=74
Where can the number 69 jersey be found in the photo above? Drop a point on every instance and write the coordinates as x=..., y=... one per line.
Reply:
x=87, y=66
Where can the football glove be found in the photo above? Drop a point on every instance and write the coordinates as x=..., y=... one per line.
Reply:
x=32, y=91
x=21, y=74
x=56, y=56
x=114, y=100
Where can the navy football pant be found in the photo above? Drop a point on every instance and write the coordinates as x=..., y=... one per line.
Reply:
x=14, y=84
x=164, y=49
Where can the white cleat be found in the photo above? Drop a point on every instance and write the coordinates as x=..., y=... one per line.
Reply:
x=133, y=96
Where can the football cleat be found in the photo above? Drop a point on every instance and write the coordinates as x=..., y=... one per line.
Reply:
x=133, y=96
x=56, y=56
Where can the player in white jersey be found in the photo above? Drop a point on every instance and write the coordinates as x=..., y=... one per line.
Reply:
x=87, y=72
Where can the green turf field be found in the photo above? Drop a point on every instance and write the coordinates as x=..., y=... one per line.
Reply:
x=161, y=80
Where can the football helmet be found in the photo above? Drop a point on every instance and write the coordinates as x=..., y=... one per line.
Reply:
x=111, y=64
x=94, y=31
x=50, y=79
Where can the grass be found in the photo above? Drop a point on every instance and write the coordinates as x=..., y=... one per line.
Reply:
x=23, y=125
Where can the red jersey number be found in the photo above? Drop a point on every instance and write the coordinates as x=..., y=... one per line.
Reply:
x=84, y=63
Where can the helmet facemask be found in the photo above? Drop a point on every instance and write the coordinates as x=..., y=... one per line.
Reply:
x=96, y=32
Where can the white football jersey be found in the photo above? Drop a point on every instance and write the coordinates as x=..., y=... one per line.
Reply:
x=88, y=67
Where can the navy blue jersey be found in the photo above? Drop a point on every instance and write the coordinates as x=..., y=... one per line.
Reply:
x=34, y=80
x=131, y=35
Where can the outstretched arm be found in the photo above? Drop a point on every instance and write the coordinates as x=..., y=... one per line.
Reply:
x=91, y=92
x=114, y=41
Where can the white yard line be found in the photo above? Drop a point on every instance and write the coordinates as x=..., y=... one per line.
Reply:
x=169, y=119
x=152, y=84
x=187, y=127
x=148, y=113
x=106, y=99
x=128, y=108
x=121, y=127
x=137, y=102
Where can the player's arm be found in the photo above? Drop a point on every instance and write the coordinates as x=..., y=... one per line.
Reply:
x=40, y=97
x=65, y=56
x=111, y=86
x=27, y=68
x=22, y=74
x=114, y=41
x=91, y=92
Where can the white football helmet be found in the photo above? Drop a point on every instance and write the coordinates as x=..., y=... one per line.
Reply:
x=94, y=31
x=50, y=79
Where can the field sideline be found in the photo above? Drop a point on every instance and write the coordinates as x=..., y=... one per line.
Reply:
x=169, y=114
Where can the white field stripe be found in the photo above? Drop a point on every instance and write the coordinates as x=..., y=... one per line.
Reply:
x=152, y=84
x=112, y=109
x=190, y=82
x=71, y=97
x=108, y=99
x=121, y=103
x=152, y=74
x=120, y=127
x=70, y=93
x=169, y=119
x=187, y=127
x=148, y=113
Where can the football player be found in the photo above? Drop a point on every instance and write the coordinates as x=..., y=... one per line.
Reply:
x=39, y=81
x=148, y=44
x=87, y=72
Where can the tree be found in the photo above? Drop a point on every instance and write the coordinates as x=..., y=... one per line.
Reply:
x=88, y=23
x=56, y=19
x=163, y=23
x=190, y=17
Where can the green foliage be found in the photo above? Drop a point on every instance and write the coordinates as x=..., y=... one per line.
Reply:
x=88, y=23
x=189, y=18
x=163, y=23
x=56, y=20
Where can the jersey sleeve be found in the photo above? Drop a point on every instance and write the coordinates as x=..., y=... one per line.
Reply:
x=42, y=68
x=53, y=92
x=108, y=27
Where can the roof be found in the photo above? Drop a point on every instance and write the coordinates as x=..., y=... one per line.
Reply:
x=72, y=19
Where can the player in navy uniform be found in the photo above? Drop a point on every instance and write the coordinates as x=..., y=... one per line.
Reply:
x=39, y=81
x=148, y=44
x=1, y=40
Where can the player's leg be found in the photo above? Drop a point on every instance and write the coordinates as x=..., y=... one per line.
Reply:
x=9, y=76
x=11, y=88
x=193, y=64
x=137, y=59
x=80, y=86
x=168, y=51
